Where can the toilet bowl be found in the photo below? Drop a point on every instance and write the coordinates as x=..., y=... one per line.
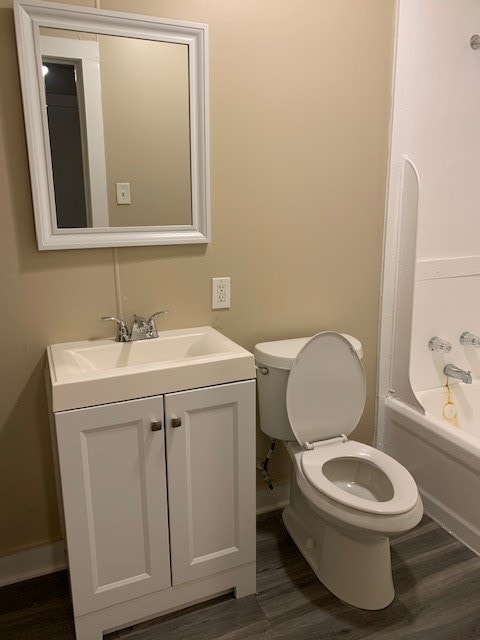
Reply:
x=346, y=498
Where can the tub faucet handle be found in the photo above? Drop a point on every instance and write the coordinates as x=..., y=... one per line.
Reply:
x=469, y=339
x=437, y=344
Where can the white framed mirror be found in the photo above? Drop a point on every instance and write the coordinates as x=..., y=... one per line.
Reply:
x=116, y=117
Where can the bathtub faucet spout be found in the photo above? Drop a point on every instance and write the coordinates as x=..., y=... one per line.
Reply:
x=452, y=371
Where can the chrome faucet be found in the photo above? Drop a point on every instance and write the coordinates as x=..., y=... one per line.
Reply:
x=141, y=329
x=452, y=371
x=145, y=329
x=469, y=339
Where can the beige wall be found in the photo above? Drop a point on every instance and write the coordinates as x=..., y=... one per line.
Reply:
x=147, y=134
x=299, y=124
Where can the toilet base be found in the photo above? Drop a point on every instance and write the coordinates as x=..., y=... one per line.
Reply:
x=355, y=569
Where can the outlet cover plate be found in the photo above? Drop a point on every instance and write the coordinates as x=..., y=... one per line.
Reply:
x=220, y=293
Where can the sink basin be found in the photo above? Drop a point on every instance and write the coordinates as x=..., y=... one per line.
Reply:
x=95, y=372
x=166, y=348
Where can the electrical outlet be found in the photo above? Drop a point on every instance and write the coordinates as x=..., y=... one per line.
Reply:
x=220, y=293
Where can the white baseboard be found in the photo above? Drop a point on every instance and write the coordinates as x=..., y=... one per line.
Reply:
x=268, y=500
x=32, y=563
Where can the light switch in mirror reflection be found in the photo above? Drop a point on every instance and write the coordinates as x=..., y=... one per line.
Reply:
x=104, y=109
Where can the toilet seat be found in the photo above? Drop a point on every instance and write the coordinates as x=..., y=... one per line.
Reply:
x=405, y=493
x=325, y=400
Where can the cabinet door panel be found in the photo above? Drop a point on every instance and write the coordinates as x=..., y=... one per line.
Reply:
x=114, y=493
x=211, y=479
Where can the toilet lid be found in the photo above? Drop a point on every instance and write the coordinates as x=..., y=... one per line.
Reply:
x=325, y=389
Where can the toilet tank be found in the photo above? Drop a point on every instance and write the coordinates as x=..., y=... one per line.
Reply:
x=278, y=357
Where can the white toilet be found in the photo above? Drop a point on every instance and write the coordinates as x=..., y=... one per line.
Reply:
x=346, y=498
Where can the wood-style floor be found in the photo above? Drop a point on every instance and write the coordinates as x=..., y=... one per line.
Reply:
x=437, y=583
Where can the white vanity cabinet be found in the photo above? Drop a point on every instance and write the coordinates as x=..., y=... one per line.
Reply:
x=210, y=479
x=159, y=503
x=113, y=477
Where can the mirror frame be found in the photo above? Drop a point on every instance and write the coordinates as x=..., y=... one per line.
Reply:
x=29, y=17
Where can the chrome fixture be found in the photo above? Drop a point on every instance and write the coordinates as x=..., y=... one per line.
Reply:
x=263, y=370
x=437, y=344
x=145, y=329
x=475, y=41
x=452, y=371
x=469, y=339
x=123, y=334
x=141, y=329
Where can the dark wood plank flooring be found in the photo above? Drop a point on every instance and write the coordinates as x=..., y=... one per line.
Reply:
x=437, y=583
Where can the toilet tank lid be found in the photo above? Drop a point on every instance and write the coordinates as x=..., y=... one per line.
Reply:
x=282, y=353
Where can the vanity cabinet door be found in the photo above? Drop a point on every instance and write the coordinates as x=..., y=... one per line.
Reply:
x=211, y=479
x=112, y=466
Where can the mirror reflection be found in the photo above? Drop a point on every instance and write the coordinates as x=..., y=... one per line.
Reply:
x=119, y=132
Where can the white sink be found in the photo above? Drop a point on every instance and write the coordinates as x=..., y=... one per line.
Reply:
x=104, y=355
x=95, y=372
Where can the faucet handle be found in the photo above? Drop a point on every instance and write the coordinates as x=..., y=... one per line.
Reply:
x=123, y=334
x=152, y=327
x=437, y=344
x=469, y=339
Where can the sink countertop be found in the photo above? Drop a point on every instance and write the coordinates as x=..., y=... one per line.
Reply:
x=94, y=372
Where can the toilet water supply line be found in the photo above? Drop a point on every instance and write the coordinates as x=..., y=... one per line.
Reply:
x=263, y=466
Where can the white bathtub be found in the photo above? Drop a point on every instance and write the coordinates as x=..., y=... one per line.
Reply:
x=443, y=458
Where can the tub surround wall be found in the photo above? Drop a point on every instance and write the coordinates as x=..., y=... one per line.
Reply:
x=299, y=127
x=445, y=146
x=435, y=125
x=444, y=307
